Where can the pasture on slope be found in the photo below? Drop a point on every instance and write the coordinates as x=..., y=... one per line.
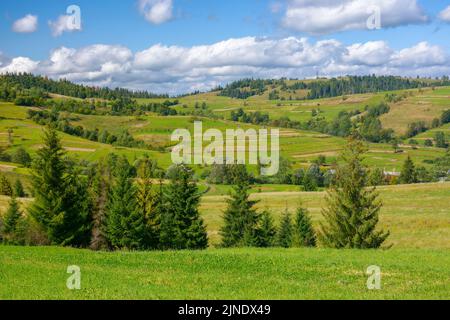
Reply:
x=425, y=106
x=299, y=146
x=28, y=135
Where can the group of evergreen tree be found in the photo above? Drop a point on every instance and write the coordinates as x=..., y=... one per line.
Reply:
x=117, y=206
x=351, y=215
x=67, y=88
x=327, y=88
x=11, y=190
x=33, y=91
x=245, y=88
x=111, y=207
x=244, y=226
x=365, y=84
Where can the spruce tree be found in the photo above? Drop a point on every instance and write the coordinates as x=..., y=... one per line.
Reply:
x=125, y=225
x=183, y=228
x=61, y=205
x=5, y=186
x=99, y=191
x=351, y=215
x=240, y=218
x=10, y=222
x=158, y=210
x=304, y=234
x=19, y=191
x=408, y=174
x=148, y=203
x=285, y=232
x=266, y=230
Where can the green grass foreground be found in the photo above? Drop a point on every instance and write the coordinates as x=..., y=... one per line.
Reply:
x=40, y=273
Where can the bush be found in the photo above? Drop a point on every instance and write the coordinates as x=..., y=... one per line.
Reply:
x=445, y=118
x=21, y=156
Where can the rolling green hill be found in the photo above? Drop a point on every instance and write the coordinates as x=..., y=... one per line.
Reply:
x=417, y=215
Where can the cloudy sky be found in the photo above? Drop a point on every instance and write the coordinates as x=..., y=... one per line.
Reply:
x=178, y=46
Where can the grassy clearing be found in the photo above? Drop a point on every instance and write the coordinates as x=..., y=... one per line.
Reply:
x=430, y=134
x=299, y=110
x=425, y=106
x=40, y=273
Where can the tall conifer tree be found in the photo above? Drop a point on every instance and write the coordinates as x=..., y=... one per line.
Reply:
x=285, y=231
x=304, y=234
x=266, y=230
x=125, y=225
x=240, y=218
x=10, y=222
x=351, y=215
x=60, y=207
x=99, y=189
x=183, y=227
x=149, y=203
x=409, y=174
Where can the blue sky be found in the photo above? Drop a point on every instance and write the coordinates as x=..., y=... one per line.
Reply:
x=195, y=22
x=133, y=27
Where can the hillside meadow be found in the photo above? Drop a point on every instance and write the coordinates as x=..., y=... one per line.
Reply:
x=298, y=146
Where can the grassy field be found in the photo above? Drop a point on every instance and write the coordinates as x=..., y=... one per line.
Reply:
x=418, y=216
x=40, y=273
x=425, y=106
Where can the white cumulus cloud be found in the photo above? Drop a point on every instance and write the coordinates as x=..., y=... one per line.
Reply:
x=329, y=16
x=179, y=69
x=27, y=24
x=444, y=15
x=65, y=23
x=156, y=11
x=421, y=55
x=20, y=64
x=372, y=53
